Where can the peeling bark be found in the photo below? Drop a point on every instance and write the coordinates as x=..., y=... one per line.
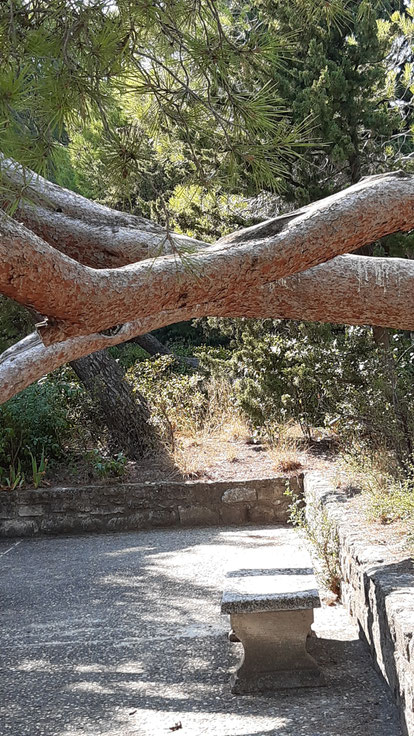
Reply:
x=86, y=231
x=80, y=300
x=269, y=270
x=347, y=290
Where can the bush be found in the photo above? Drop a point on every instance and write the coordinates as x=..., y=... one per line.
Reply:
x=185, y=402
x=128, y=354
x=321, y=376
x=177, y=398
x=37, y=422
x=106, y=467
x=276, y=369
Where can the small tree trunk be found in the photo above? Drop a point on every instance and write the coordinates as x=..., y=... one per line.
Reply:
x=153, y=346
x=125, y=413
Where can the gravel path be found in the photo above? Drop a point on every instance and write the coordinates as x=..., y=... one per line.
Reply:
x=121, y=635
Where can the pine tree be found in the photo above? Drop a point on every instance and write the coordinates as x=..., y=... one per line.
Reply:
x=338, y=78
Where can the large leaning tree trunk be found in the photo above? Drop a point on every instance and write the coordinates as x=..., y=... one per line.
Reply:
x=92, y=274
x=125, y=413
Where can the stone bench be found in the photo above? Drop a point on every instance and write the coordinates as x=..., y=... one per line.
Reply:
x=271, y=613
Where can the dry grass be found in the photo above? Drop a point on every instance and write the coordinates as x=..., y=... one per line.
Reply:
x=223, y=419
x=194, y=455
x=288, y=464
x=189, y=464
x=196, y=450
x=387, y=492
x=285, y=449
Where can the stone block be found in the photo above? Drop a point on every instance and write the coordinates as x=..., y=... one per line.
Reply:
x=296, y=484
x=147, y=496
x=106, y=510
x=202, y=494
x=8, y=507
x=262, y=514
x=197, y=515
x=240, y=494
x=18, y=528
x=271, y=493
x=117, y=524
x=116, y=495
x=163, y=517
x=137, y=520
x=30, y=511
x=69, y=500
x=87, y=524
x=233, y=514
x=61, y=524
x=26, y=497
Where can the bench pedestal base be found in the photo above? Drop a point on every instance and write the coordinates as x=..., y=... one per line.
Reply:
x=275, y=655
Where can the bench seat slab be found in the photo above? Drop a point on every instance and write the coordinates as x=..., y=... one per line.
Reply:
x=275, y=655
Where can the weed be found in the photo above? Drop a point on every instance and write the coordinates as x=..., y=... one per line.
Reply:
x=321, y=532
x=389, y=494
x=38, y=470
x=14, y=479
x=105, y=467
x=284, y=448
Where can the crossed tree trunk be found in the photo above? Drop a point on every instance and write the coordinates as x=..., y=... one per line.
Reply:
x=100, y=277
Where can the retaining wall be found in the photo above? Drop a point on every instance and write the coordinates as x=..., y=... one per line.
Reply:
x=129, y=506
x=377, y=589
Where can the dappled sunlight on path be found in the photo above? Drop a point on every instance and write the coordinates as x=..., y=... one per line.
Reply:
x=121, y=635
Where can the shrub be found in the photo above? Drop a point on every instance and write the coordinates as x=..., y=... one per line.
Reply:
x=177, y=398
x=128, y=354
x=37, y=423
x=185, y=402
x=105, y=466
x=320, y=376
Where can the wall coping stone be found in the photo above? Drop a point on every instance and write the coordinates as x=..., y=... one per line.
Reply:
x=377, y=589
x=131, y=506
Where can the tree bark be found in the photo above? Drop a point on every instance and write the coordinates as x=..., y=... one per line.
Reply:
x=347, y=290
x=153, y=346
x=124, y=412
x=80, y=300
x=264, y=271
x=86, y=231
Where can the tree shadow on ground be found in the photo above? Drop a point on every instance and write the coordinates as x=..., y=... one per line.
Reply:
x=111, y=636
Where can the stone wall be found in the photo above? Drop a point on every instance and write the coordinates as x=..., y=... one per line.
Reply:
x=377, y=588
x=130, y=506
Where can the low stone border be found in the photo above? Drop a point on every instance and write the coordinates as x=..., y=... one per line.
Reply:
x=377, y=589
x=130, y=506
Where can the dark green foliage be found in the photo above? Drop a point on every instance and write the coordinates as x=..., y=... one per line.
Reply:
x=15, y=322
x=105, y=467
x=128, y=354
x=322, y=376
x=331, y=65
x=185, y=81
x=38, y=420
x=340, y=77
x=177, y=397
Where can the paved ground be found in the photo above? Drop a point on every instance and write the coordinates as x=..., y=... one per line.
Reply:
x=121, y=635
